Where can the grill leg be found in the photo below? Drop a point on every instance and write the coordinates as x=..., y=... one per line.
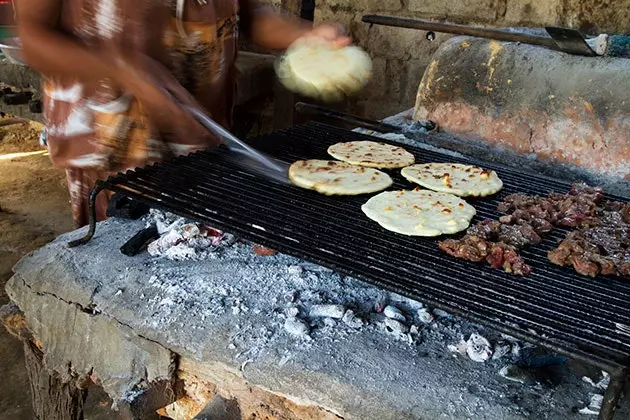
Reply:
x=611, y=397
x=100, y=185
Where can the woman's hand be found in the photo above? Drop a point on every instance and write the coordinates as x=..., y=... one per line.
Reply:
x=329, y=33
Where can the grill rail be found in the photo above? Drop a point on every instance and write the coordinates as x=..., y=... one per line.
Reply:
x=553, y=307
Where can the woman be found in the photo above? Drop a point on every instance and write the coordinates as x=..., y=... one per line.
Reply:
x=112, y=68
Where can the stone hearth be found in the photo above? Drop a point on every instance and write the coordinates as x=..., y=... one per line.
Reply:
x=220, y=323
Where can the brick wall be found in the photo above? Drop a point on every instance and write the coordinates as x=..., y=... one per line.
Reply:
x=401, y=55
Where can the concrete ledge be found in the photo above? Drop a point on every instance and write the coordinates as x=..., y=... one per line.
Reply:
x=533, y=100
x=224, y=316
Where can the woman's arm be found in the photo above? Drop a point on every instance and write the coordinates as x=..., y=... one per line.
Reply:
x=50, y=51
x=275, y=31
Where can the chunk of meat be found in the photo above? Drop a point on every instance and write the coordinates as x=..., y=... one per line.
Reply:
x=600, y=246
x=264, y=251
x=573, y=209
x=603, y=249
x=469, y=248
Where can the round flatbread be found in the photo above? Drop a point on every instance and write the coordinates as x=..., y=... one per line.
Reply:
x=454, y=178
x=337, y=178
x=372, y=154
x=419, y=212
x=319, y=70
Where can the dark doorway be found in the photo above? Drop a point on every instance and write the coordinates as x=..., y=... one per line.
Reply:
x=308, y=10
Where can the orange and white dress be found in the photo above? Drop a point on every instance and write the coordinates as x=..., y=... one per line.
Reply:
x=95, y=129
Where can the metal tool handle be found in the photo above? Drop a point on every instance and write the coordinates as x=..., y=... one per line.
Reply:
x=450, y=28
x=316, y=110
x=234, y=142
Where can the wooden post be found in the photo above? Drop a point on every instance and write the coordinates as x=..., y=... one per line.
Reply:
x=52, y=398
x=55, y=399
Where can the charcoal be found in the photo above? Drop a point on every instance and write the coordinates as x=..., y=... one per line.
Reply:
x=20, y=98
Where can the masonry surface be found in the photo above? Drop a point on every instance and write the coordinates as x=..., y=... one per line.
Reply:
x=406, y=53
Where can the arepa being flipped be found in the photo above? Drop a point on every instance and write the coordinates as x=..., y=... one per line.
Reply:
x=322, y=71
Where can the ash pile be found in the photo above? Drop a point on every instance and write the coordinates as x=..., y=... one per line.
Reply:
x=306, y=311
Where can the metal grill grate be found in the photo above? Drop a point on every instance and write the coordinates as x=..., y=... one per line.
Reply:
x=554, y=306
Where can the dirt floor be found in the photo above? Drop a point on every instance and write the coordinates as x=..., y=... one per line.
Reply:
x=34, y=209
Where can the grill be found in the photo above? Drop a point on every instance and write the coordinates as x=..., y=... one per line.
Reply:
x=553, y=307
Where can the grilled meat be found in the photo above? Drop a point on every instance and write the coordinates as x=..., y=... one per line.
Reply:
x=495, y=243
x=575, y=208
x=537, y=220
x=602, y=247
x=507, y=257
x=518, y=235
x=469, y=248
x=498, y=254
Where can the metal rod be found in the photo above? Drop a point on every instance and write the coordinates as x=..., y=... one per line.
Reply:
x=451, y=28
x=611, y=396
x=233, y=141
x=100, y=186
x=316, y=110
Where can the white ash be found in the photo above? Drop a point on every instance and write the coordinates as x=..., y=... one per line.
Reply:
x=352, y=320
x=594, y=405
x=501, y=349
x=329, y=322
x=425, y=316
x=303, y=302
x=396, y=328
x=404, y=303
x=297, y=327
x=516, y=349
x=295, y=290
x=292, y=291
x=183, y=240
x=479, y=349
x=327, y=311
x=441, y=314
x=460, y=348
x=292, y=312
x=600, y=384
x=164, y=221
x=394, y=313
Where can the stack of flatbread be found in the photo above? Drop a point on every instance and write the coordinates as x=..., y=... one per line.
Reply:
x=319, y=70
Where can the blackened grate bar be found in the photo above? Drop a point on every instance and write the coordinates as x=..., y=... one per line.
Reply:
x=554, y=306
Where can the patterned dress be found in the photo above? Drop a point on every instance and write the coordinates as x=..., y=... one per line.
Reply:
x=96, y=129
